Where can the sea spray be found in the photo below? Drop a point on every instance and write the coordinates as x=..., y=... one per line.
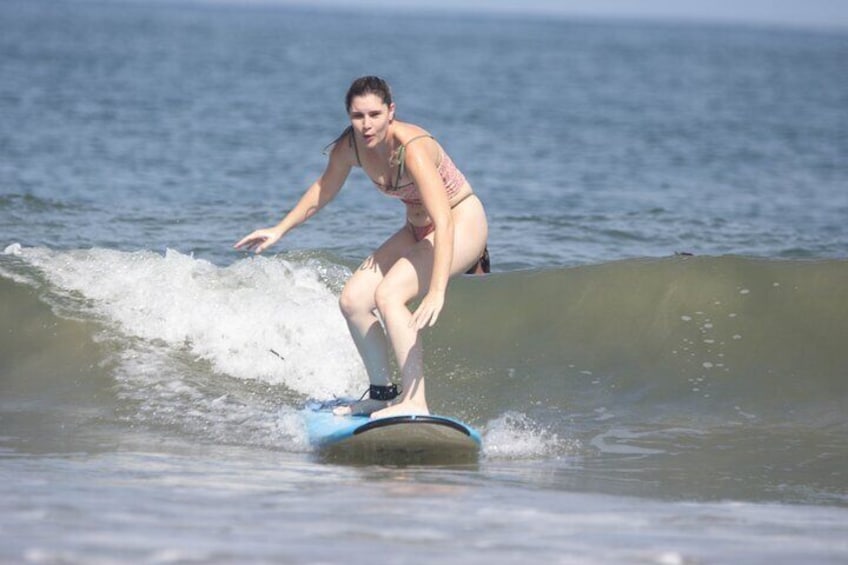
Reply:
x=231, y=318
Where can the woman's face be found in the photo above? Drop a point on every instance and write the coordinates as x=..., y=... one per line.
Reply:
x=370, y=117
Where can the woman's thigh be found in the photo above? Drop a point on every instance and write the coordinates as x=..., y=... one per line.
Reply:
x=410, y=274
x=360, y=288
x=471, y=232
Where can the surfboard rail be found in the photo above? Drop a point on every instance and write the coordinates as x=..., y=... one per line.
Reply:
x=402, y=439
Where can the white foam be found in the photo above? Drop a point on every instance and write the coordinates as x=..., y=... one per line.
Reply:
x=13, y=249
x=516, y=436
x=230, y=317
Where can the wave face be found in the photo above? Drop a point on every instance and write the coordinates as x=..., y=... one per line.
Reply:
x=710, y=335
x=684, y=360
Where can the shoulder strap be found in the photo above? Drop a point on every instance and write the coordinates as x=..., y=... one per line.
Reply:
x=401, y=155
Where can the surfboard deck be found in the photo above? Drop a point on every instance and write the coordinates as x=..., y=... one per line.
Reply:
x=406, y=439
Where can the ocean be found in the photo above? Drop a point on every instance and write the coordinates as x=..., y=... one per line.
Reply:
x=657, y=362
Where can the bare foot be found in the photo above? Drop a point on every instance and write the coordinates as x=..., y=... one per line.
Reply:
x=360, y=408
x=403, y=408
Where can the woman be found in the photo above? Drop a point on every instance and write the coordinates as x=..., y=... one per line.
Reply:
x=444, y=235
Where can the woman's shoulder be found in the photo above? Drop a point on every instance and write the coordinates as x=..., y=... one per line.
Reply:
x=344, y=147
x=405, y=132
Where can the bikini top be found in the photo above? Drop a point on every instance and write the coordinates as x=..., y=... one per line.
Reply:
x=408, y=193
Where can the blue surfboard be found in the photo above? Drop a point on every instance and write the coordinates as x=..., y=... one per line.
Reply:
x=405, y=439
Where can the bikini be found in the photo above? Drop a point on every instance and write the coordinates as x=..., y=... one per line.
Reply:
x=409, y=194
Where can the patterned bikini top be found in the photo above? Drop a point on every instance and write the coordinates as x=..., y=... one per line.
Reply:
x=408, y=193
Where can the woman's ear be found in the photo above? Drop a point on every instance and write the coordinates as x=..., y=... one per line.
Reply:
x=392, y=112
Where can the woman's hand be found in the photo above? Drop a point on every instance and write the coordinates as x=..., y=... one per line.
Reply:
x=259, y=240
x=428, y=311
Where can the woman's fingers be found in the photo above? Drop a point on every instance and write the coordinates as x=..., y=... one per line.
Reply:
x=247, y=241
x=418, y=320
x=427, y=313
x=258, y=241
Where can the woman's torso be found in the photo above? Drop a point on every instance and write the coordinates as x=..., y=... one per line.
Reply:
x=391, y=178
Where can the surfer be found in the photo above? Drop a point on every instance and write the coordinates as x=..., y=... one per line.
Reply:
x=444, y=234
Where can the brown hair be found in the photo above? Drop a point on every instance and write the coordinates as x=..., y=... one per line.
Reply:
x=369, y=85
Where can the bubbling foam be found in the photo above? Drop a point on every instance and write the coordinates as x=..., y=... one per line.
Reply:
x=516, y=436
x=232, y=317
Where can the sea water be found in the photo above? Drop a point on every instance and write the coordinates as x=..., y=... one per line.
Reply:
x=657, y=363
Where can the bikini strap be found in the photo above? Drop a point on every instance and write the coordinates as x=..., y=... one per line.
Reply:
x=400, y=156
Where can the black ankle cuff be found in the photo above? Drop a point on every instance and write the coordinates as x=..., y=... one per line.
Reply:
x=378, y=392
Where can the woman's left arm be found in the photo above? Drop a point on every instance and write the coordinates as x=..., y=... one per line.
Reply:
x=423, y=171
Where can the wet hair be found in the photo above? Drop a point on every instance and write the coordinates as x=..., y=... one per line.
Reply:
x=369, y=85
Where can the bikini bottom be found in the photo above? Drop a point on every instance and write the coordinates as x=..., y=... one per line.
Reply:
x=482, y=266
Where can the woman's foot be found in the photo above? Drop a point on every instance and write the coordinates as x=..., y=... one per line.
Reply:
x=360, y=408
x=402, y=408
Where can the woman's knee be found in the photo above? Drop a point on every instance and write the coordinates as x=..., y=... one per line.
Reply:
x=382, y=297
x=388, y=294
x=355, y=300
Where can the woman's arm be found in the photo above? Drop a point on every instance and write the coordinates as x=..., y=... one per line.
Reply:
x=316, y=197
x=423, y=171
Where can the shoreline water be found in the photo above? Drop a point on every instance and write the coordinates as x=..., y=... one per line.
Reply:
x=196, y=506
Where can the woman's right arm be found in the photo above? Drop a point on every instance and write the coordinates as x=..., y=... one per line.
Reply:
x=316, y=197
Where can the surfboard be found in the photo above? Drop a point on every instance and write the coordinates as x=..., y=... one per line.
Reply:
x=405, y=439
